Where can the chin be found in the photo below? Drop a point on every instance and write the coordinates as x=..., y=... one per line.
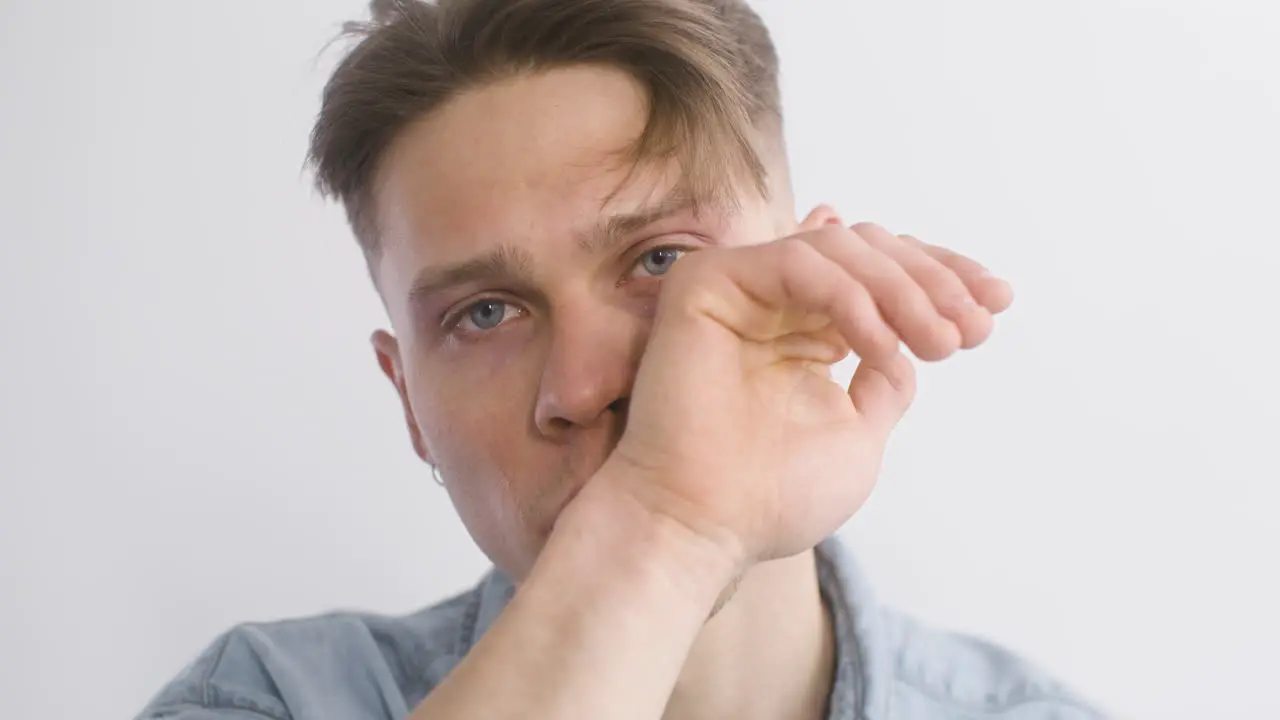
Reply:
x=516, y=560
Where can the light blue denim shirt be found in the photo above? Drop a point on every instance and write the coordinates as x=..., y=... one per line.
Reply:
x=368, y=667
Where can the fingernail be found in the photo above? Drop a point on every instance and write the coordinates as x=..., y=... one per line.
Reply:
x=959, y=304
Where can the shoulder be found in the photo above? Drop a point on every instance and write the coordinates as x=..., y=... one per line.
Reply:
x=901, y=669
x=938, y=674
x=336, y=665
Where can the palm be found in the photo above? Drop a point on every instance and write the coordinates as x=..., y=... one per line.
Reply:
x=774, y=450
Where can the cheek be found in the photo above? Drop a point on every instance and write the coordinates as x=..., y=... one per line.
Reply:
x=473, y=408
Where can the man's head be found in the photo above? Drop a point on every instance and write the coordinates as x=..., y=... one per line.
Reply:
x=520, y=173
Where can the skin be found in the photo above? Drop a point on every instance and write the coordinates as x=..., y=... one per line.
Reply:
x=630, y=404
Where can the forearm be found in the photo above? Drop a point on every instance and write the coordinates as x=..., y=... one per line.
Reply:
x=600, y=628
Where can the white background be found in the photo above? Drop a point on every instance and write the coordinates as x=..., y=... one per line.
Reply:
x=193, y=432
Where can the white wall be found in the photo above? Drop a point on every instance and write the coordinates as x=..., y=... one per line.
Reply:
x=193, y=433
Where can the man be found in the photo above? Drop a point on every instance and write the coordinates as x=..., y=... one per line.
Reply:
x=612, y=341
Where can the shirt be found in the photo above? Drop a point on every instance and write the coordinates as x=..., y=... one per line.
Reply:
x=349, y=666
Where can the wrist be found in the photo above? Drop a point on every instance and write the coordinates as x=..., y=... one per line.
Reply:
x=613, y=526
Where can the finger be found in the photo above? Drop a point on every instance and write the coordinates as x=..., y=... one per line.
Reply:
x=882, y=392
x=819, y=286
x=948, y=292
x=990, y=291
x=903, y=303
x=767, y=292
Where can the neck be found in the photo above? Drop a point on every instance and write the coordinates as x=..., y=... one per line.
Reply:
x=768, y=653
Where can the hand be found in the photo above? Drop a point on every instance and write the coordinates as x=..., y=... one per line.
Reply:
x=735, y=428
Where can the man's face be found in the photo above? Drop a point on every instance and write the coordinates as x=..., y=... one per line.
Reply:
x=521, y=277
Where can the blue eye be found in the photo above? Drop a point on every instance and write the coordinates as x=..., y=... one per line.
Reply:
x=660, y=260
x=487, y=314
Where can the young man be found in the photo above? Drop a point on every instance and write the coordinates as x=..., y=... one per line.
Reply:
x=612, y=341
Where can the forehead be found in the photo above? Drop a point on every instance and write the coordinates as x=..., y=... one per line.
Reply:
x=531, y=156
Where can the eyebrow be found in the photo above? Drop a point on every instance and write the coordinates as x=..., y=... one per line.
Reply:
x=617, y=228
x=513, y=264
x=506, y=263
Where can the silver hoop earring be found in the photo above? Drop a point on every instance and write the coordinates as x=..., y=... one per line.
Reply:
x=435, y=474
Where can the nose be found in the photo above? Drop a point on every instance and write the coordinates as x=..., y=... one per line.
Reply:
x=590, y=366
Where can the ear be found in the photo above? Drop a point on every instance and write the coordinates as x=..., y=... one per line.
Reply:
x=820, y=216
x=387, y=348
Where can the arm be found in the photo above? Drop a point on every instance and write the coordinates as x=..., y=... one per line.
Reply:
x=602, y=625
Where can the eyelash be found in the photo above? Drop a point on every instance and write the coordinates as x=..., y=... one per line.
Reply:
x=454, y=319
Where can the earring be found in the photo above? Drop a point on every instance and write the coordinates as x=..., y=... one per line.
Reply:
x=435, y=473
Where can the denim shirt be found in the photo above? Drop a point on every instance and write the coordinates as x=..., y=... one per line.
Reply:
x=369, y=667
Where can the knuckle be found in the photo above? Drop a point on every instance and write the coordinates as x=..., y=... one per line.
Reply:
x=869, y=230
x=915, y=242
x=833, y=233
x=956, y=302
x=884, y=344
x=795, y=255
x=901, y=299
x=830, y=240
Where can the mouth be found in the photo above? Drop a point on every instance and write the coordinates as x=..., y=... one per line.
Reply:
x=583, y=467
x=552, y=520
x=557, y=507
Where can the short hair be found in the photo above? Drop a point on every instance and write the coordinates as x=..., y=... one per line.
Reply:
x=708, y=67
